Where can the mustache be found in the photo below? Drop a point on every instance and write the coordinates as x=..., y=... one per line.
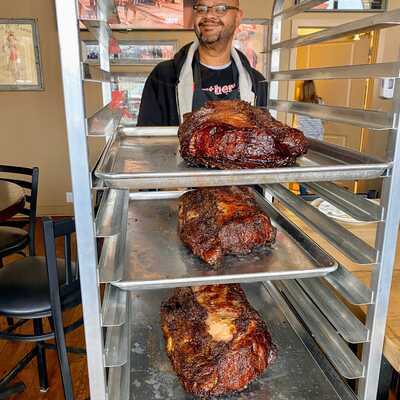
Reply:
x=210, y=21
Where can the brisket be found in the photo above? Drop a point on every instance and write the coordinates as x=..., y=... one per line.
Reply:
x=224, y=220
x=217, y=343
x=232, y=134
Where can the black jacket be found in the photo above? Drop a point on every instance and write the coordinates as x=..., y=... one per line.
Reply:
x=159, y=99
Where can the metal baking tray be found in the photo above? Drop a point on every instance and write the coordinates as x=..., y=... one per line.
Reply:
x=148, y=158
x=294, y=375
x=156, y=257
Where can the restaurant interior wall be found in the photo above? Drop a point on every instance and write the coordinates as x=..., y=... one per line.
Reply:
x=33, y=129
x=33, y=123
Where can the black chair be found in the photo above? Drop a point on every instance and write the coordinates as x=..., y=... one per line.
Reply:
x=34, y=288
x=13, y=238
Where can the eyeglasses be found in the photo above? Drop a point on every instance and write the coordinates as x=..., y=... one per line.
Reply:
x=218, y=9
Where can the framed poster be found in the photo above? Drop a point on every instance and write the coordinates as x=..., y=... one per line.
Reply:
x=20, y=57
x=144, y=14
x=87, y=9
x=134, y=52
x=349, y=5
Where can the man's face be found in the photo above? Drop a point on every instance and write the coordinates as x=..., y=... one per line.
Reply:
x=211, y=28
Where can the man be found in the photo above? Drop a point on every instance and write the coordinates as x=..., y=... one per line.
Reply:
x=207, y=69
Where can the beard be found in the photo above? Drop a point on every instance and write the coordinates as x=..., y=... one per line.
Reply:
x=207, y=39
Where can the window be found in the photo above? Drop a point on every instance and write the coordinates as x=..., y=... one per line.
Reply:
x=127, y=92
x=250, y=39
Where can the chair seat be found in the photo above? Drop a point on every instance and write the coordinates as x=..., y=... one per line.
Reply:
x=24, y=288
x=11, y=237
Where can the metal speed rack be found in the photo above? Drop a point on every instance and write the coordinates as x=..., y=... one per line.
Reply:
x=294, y=286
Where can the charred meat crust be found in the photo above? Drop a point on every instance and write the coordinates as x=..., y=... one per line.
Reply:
x=217, y=343
x=232, y=134
x=214, y=222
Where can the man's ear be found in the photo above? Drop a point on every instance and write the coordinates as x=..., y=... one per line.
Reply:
x=239, y=16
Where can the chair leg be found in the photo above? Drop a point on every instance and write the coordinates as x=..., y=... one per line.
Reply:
x=62, y=354
x=41, y=357
x=10, y=322
x=1, y=263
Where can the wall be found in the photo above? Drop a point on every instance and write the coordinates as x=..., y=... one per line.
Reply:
x=32, y=123
x=33, y=129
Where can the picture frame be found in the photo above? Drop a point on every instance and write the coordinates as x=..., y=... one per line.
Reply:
x=349, y=6
x=20, y=65
x=133, y=52
x=143, y=14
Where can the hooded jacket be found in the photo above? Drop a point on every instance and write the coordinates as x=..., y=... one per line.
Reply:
x=168, y=92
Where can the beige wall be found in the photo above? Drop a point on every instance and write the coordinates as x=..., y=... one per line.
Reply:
x=32, y=123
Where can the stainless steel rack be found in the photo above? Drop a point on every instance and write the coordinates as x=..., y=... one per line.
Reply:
x=312, y=326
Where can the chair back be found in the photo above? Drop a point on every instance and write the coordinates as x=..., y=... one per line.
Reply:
x=27, y=178
x=53, y=230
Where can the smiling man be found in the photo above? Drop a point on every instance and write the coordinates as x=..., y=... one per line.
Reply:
x=207, y=69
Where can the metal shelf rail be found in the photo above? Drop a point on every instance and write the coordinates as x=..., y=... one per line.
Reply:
x=313, y=300
x=107, y=324
x=116, y=343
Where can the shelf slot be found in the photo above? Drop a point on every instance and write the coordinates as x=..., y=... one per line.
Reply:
x=350, y=245
x=119, y=377
x=111, y=264
x=350, y=287
x=303, y=6
x=112, y=259
x=344, y=360
x=95, y=74
x=116, y=352
x=104, y=122
x=119, y=382
x=99, y=29
x=342, y=154
x=377, y=21
x=114, y=311
x=383, y=70
x=354, y=205
x=110, y=216
x=376, y=120
x=349, y=326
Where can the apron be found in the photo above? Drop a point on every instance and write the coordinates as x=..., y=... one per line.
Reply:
x=200, y=97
